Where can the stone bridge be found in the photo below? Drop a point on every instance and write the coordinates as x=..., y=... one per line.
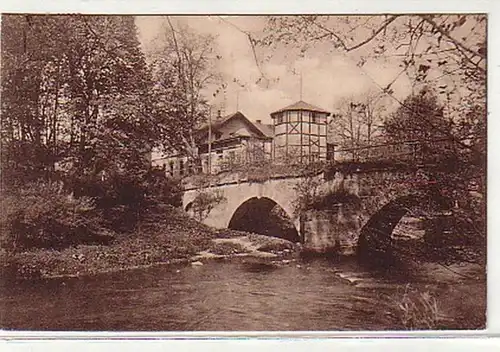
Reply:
x=352, y=203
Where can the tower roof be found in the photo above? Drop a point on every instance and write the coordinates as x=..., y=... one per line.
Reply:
x=302, y=106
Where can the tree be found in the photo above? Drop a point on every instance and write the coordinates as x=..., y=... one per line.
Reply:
x=205, y=201
x=357, y=123
x=184, y=67
x=420, y=123
x=108, y=89
x=77, y=110
x=447, y=52
x=444, y=52
x=30, y=76
x=415, y=39
x=74, y=89
x=458, y=173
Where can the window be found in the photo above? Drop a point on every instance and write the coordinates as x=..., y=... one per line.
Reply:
x=171, y=168
x=330, y=151
x=204, y=165
x=181, y=167
x=314, y=117
x=279, y=119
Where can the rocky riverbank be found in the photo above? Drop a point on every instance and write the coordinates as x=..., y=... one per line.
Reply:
x=168, y=236
x=163, y=238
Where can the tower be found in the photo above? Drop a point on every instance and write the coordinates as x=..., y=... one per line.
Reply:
x=300, y=133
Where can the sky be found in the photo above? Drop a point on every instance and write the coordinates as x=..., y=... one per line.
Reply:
x=327, y=76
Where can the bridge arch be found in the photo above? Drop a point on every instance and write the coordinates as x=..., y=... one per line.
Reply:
x=265, y=216
x=375, y=239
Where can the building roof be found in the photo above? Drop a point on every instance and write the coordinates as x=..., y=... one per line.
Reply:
x=260, y=129
x=265, y=128
x=301, y=105
x=242, y=132
x=219, y=121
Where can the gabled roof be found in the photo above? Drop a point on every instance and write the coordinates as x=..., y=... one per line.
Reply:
x=264, y=128
x=218, y=123
x=302, y=106
x=242, y=132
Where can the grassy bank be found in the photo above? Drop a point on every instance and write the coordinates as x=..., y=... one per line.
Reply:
x=165, y=235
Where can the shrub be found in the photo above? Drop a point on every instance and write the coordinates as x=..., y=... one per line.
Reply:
x=43, y=215
x=459, y=228
x=130, y=188
x=163, y=189
x=205, y=201
x=331, y=199
x=122, y=196
x=417, y=310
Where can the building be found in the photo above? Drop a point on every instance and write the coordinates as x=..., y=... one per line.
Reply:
x=300, y=132
x=235, y=140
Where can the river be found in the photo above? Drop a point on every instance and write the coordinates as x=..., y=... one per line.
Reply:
x=230, y=295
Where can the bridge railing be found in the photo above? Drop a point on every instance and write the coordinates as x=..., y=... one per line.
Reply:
x=415, y=151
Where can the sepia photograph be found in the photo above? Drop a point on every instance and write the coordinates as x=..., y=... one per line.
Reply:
x=229, y=173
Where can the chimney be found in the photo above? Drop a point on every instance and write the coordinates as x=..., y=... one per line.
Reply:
x=258, y=121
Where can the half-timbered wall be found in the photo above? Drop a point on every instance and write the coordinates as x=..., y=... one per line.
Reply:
x=300, y=135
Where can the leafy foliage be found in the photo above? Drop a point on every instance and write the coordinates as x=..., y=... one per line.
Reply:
x=420, y=117
x=461, y=172
x=330, y=199
x=308, y=189
x=74, y=92
x=205, y=201
x=445, y=52
x=424, y=43
x=45, y=216
x=77, y=112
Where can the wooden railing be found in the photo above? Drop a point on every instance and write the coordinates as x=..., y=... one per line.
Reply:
x=416, y=151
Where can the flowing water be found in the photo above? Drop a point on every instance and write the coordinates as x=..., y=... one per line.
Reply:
x=229, y=295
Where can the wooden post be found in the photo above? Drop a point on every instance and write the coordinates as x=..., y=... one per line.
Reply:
x=301, y=118
x=210, y=140
x=309, y=136
x=286, y=115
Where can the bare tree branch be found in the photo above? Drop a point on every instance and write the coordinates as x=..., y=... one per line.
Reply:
x=354, y=47
x=250, y=40
x=446, y=34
